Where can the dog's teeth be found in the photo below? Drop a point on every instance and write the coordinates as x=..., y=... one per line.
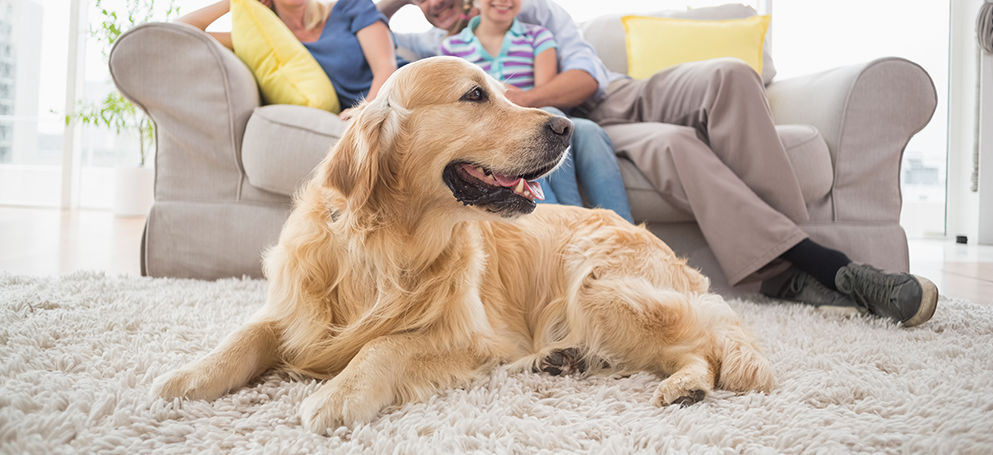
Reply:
x=520, y=186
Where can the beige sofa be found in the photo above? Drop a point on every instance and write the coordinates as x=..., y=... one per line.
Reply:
x=226, y=165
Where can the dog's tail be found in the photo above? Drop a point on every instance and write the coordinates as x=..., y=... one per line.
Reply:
x=743, y=367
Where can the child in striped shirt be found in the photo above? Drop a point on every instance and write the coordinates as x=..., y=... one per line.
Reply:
x=523, y=55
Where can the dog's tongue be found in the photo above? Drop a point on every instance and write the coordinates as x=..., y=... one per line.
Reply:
x=518, y=184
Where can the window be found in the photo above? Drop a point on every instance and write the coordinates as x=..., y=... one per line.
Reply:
x=32, y=93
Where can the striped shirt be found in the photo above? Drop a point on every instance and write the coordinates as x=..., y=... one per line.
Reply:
x=515, y=63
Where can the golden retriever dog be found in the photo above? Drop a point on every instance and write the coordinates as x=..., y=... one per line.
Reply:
x=412, y=262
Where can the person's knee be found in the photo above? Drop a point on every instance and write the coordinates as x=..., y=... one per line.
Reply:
x=660, y=147
x=670, y=138
x=726, y=70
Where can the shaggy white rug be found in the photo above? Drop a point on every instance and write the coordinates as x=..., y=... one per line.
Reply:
x=78, y=354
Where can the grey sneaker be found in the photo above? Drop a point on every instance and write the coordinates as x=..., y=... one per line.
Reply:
x=903, y=297
x=801, y=287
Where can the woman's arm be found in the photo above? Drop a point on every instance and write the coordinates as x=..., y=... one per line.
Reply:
x=390, y=7
x=377, y=46
x=203, y=17
x=545, y=67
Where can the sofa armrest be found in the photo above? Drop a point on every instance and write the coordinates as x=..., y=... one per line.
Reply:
x=866, y=113
x=200, y=96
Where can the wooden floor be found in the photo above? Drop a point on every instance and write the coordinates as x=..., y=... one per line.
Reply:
x=43, y=241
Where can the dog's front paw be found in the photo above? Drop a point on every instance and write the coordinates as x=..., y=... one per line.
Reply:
x=185, y=383
x=332, y=407
x=679, y=391
x=174, y=384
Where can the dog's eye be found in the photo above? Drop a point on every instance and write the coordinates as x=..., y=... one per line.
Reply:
x=475, y=95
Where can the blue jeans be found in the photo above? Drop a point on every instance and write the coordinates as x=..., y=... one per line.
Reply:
x=592, y=164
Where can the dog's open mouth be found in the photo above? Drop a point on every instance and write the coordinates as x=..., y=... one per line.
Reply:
x=499, y=193
x=519, y=185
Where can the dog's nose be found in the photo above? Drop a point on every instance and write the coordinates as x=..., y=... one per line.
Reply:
x=561, y=126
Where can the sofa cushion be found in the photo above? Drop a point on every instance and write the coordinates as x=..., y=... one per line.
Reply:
x=647, y=53
x=284, y=143
x=810, y=158
x=283, y=67
x=804, y=145
x=606, y=34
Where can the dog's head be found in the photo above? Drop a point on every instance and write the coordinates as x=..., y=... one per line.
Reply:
x=441, y=133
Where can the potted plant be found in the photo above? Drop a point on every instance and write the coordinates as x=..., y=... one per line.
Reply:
x=133, y=183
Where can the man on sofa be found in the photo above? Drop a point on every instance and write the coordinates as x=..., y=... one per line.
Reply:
x=704, y=136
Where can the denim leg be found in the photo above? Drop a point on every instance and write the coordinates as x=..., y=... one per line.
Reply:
x=597, y=169
x=562, y=183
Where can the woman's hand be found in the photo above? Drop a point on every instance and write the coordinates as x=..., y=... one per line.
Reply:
x=346, y=114
x=267, y=4
x=390, y=7
x=203, y=17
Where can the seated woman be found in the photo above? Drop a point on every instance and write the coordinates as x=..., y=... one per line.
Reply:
x=350, y=39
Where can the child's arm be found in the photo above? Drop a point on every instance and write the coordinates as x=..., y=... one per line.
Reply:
x=545, y=67
x=203, y=17
x=377, y=46
x=444, y=49
x=570, y=88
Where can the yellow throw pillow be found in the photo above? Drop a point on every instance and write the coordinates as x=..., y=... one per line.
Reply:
x=284, y=69
x=656, y=43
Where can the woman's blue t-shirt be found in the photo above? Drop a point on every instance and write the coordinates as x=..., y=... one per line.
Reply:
x=337, y=50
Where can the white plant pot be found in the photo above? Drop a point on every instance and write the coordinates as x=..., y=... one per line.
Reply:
x=133, y=190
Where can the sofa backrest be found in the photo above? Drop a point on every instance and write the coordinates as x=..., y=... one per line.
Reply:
x=606, y=34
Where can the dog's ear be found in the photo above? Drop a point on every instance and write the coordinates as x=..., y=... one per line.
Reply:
x=356, y=163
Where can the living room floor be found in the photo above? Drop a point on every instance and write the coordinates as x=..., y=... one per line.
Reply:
x=47, y=241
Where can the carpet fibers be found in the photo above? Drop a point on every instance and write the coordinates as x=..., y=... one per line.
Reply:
x=78, y=354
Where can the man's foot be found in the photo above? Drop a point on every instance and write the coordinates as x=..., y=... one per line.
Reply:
x=902, y=297
x=801, y=287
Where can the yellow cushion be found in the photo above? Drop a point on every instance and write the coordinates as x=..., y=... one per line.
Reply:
x=656, y=43
x=284, y=69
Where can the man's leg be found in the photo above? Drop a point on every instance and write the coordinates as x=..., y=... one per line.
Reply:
x=743, y=231
x=724, y=102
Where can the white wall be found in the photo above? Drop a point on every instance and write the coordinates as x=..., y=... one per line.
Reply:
x=963, y=204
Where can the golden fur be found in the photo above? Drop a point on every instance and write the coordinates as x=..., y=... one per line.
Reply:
x=386, y=285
